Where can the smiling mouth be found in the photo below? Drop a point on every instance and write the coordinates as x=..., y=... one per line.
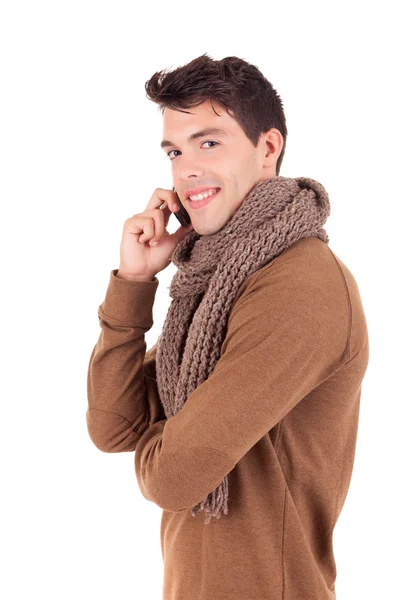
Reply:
x=196, y=204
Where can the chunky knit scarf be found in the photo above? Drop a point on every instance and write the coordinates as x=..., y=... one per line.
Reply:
x=274, y=214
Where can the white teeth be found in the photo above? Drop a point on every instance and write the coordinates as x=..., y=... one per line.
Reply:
x=209, y=192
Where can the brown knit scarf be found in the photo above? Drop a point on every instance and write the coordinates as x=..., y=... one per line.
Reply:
x=274, y=214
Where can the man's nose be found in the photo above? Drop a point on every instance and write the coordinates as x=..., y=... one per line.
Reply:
x=189, y=169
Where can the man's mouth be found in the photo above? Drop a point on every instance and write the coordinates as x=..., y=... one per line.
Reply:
x=201, y=200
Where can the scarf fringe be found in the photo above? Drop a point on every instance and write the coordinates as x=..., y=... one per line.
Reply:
x=215, y=504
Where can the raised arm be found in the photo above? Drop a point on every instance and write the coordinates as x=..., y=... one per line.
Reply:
x=121, y=385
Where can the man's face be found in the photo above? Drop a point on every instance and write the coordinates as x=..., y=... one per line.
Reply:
x=227, y=161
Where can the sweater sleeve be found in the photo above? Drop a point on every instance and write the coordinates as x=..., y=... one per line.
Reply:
x=121, y=382
x=286, y=334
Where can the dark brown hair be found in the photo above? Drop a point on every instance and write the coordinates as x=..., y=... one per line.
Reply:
x=238, y=86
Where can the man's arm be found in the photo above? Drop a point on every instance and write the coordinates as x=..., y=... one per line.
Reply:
x=286, y=334
x=121, y=385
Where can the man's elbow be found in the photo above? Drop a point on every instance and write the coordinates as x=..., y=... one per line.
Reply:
x=110, y=432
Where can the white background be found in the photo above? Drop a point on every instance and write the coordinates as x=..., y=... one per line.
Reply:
x=80, y=153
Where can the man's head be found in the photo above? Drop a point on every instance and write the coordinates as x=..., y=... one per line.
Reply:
x=230, y=95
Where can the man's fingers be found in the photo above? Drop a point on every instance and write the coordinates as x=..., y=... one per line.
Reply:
x=164, y=199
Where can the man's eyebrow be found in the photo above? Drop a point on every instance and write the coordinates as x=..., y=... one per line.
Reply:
x=202, y=133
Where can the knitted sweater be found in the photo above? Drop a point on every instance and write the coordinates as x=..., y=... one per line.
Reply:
x=278, y=415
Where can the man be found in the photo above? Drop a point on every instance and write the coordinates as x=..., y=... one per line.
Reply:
x=247, y=407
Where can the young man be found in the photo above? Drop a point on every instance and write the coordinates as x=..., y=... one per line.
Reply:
x=245, y=412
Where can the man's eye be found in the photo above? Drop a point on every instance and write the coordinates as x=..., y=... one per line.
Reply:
x=206, y=142
x=168, y=153
x=210, y=142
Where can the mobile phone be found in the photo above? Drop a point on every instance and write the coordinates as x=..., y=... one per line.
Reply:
x=182, y=214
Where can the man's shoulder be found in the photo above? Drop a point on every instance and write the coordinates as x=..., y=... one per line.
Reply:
x=308, y=277
x=301, y=296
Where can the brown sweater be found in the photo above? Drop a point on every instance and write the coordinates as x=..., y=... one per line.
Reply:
x=279, y=414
